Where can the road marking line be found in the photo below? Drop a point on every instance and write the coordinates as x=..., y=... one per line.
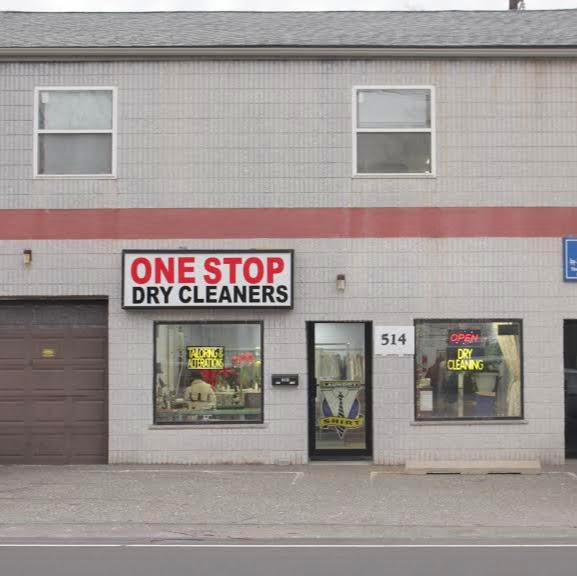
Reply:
x=313, y=546
x=298, y=476
x=62, y=545
x=562, y=472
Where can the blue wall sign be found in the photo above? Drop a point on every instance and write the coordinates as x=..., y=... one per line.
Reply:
x=570, y=258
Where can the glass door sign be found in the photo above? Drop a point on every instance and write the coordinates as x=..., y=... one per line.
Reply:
x=570, y=259
x=340, y=406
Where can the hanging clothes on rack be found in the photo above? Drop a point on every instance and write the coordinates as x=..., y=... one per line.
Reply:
x=339, y=362
x=356, y=367
x=329, y=365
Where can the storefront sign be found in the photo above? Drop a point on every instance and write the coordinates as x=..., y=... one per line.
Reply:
x=570, y=258
x=203, y=279
x=205, y=357
x=394, y=340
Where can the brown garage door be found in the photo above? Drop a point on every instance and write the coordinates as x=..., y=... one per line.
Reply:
x=53, y=383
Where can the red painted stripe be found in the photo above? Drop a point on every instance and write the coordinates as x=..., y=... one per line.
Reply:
x=159, y=223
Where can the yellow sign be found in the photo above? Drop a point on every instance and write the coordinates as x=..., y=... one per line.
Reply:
x=342, y=422
x=349, y=384
x=48, y=353
x=205, y=357
x=465, y=361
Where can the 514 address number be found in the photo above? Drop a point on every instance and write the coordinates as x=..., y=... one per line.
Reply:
x=394, y=340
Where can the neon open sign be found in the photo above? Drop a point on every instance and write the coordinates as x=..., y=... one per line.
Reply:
x=464, y=337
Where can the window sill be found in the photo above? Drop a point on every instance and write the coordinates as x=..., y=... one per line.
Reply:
x=206, y=426
x=75, y=177
x=469, y=422
x=403, y=176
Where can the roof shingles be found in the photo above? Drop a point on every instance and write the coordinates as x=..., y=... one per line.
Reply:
x=554, y=28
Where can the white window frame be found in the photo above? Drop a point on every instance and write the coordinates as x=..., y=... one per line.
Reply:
x=431, y=130
x=38, y=131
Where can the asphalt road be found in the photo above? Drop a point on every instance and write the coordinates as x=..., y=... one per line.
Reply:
x=334, y=559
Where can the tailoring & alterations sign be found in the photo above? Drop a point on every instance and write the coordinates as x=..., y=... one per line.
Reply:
x=205, y=357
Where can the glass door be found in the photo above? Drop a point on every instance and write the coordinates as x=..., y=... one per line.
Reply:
x=340, y=407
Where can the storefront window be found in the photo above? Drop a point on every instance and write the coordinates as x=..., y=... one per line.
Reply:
x=468, y=369
x=208, y=373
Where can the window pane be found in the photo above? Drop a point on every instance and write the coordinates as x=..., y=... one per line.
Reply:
x=468, y=369
x=74, y=110
x=208, y=373
x=75, y=154
x=393, y=153
x=394, y=109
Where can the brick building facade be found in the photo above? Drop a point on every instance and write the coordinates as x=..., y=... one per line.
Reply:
x=254, y=151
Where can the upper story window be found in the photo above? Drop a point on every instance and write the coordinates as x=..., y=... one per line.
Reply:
x=394, y=131
x=75, y=132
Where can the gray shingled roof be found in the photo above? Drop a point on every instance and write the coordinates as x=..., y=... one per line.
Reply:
x=290, y=29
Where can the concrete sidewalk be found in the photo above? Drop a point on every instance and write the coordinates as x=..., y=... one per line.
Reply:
x=314, y=501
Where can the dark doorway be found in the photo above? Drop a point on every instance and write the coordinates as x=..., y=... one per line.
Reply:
x=340, y=386
x=570, y=353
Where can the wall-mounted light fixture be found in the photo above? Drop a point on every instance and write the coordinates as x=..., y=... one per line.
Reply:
x=27, y=257
x=341, y=282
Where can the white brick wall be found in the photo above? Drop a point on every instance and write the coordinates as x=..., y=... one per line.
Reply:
x=385, y=292
x=278, y=133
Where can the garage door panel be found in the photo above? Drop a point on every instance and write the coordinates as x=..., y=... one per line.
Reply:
x=53, y=445
x=12, y=382
x=70, y=314
x=89, y=410
x=47, y=382
x=12, y=411
x=12, y=445
x=88, y=349
x=89, y=444
x=16, y=314
x=48, y=334
x=48, y=350
x=89, y=332
x=13, y=349
x=53, y=383
x=50, y=410
x=90, y=381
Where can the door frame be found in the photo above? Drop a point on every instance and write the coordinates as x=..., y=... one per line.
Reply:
x=348, y=454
